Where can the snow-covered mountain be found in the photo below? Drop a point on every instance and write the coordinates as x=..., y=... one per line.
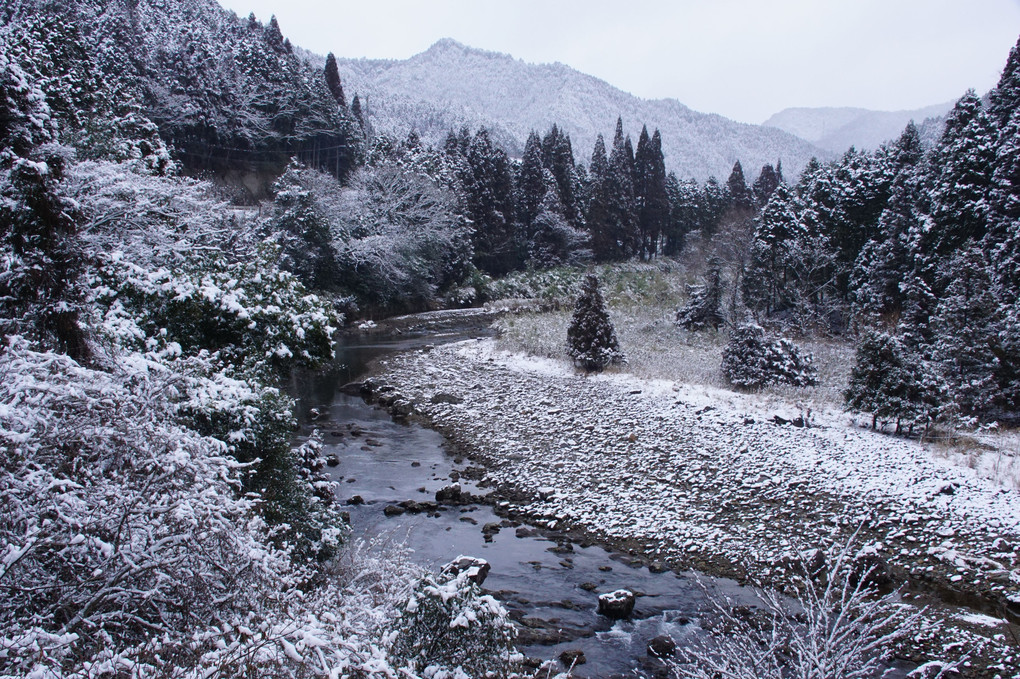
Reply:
x=837, y=129
x=451, y=85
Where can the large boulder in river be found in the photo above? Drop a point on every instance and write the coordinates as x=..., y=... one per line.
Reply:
x=477, y=569
x=617, y=605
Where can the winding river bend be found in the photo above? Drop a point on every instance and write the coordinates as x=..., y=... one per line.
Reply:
x=549, y=584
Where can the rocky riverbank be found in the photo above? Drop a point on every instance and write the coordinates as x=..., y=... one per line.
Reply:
x=684, y=481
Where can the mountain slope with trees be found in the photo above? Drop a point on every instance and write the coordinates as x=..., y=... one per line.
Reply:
x=451, y=85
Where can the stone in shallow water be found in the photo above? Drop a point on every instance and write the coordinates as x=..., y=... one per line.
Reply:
x=617, y=605
x=572, y=658
x=662, y=647
x=477, y=569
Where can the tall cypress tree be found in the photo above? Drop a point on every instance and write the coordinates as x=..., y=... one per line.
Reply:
x=274, y=36
x=1005, y=98
x=771, y=276
x=624, y=237
x=356, y=111
x=650, y=192
x=598, y=217
x=960, y=178
x=333, y=81
x=591, y=337
x=531, y=186
x=740, y=195
x=765, y=184
x=488, y=183
x=558, y=158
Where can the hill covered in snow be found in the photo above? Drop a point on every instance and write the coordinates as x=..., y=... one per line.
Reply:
x=451, y=85
x=837, y=129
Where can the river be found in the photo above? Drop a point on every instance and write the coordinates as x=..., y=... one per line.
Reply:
x=549, y=584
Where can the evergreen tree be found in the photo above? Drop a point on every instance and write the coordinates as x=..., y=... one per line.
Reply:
x=531, y=186
x=40, y=257
x=885, y=262
x=552, y=240
x=704, y=302
x=740, y=196
x=752, y=360
x=558, y=158
x=597, y=216
x=713, y=204
x=1004, y=196
x=1005, y=98
x=766, y=183
x=769, y=282
x=650, y=192
x=684, y=212
x=892, y=384
x=622, y=215
x=274, y=36
x=591, y=338
x=307, y=241
x=967, y=332
x=333, y=80
x=488, y=184
x=960, y=179
x=357, y=112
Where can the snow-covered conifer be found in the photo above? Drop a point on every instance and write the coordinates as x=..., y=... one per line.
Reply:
x=704, y=302
x=752, y=360
x=591, y=337
x=892, y=384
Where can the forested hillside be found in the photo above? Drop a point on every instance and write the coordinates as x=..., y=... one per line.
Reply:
x=227, y=94
x=451, y=85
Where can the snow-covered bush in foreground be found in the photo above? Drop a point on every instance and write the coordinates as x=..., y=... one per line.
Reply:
x=117, y=524
x=835, y=627
x=751, y=360
x=448, y=629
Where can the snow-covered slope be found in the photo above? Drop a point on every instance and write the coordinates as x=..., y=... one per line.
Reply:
x=837, y=129
x=451, y=85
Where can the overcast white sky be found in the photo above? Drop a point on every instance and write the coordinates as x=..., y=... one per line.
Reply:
x=744, y=59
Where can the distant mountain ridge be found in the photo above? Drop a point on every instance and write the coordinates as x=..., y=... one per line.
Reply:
x=451, y=85
x=837, y=129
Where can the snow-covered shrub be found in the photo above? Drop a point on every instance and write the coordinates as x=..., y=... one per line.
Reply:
x=448, y=625
x=752, y=360
x=257, y=317
x=591, y=338
x=703, y=308
x=393, y=236
x=117, y=524
x=834, y=626
x=158, y=221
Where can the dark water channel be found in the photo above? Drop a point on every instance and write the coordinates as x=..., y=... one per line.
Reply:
x=548, y=584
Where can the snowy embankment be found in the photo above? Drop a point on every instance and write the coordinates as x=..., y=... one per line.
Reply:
x=705, y=478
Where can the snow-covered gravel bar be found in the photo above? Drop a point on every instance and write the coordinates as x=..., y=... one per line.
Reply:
x=706, y=479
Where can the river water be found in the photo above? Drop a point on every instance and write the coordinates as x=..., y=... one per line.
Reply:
x=548, y=584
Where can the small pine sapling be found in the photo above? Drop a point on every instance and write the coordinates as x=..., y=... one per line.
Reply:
x=591, y=338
